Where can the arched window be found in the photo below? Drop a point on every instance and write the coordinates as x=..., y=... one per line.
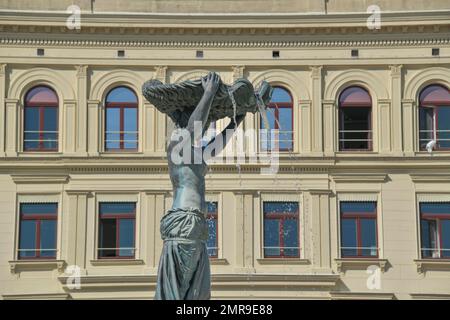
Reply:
x=40, y=120
x=280, y=116
x=434, y=117
x=121, y=120
x=355, y=120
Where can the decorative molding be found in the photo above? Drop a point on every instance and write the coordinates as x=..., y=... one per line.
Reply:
x=117, y=262
x=430, y=296
x=424, y=265
x=223, y=44
x=3, y=67
x=396, y=70
x=33, y=265
x=430, y=177
x=161, y=73
x=359, y=177
x=280, y=261
x=218, y=262
x=361, y=296
x=238, y=72
x=81, y=70
x=40, y=178
x=359, y=264
x=37, y=296
x=316, y=72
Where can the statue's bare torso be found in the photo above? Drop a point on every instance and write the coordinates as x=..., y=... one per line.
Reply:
x=188, y=181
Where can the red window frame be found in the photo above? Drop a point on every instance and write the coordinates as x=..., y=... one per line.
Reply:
x=275, y=106
x=122, y=106
x=356, y=105
x=118, y=217
x=42, y=105
x=436, y=105
x=38, y=218
x=435, y=217
x=358, y=216
x=215, y=216
x=283, y=216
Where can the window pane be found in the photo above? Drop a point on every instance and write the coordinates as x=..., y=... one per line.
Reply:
x=280, y=207
x=107, y=238
x=271, y=238
x=355, y=128
x=443, y=123
x=429, y=238
x=280, y=95
x=212, y=237
x=41, y=95
x=50, y=127
x=349, y=240
x=121, y=94
x=117, y=208
x=445, y=238
x=126, y=237
x=31, y=134
x=355, y=96
x=48, y=238
x=212, y=228
x=30, y=209
x=285, y=122
x=435, y=208
x=27, y=238
x=130, y=127
x=358, y=207
x=369, y=237
x=112, y=134
x=290, y=234
x=426, y=123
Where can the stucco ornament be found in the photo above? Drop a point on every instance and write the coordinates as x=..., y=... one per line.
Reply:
x=184, y=271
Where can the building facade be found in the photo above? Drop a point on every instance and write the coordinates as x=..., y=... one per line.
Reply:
x=359, y=209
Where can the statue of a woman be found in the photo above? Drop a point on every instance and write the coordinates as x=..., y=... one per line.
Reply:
x=184, y=272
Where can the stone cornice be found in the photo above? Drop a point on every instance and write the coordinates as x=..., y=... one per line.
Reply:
x=18, y=41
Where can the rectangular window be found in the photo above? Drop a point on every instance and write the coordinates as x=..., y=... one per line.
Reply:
x=117, y=230
x=121, y=127
x=212, y=220
x=359, y=229
x=434, y=125
x=41, y=128
x=435, y=230
x=281, y=230
x=37, y=234
x=355, y=129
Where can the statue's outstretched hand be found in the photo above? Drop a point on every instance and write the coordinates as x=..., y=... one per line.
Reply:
x=211, y=83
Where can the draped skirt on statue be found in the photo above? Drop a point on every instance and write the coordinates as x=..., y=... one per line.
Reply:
x=184, y=272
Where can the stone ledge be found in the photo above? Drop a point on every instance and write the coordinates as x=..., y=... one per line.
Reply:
x=278, y=261
x=424, y=265
x=37, y=296
x=117, y=262
x=359, y=264
x=143, y=282
x=33, y=265
x=361, y=296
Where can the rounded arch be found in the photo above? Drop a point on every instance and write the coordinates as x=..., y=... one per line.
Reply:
x=285, y=79
x=117, y=78
x=191, y=75
x=425, y=78
x=358, y=78
x=41, y=76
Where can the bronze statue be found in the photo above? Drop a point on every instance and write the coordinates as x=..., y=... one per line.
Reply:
x=184, y=272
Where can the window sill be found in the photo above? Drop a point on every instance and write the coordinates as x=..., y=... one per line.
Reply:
x=117, y=262
x=424, y=265
x=344, y=264
x=17, y=266
x=280, y=261
x=218, y=261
